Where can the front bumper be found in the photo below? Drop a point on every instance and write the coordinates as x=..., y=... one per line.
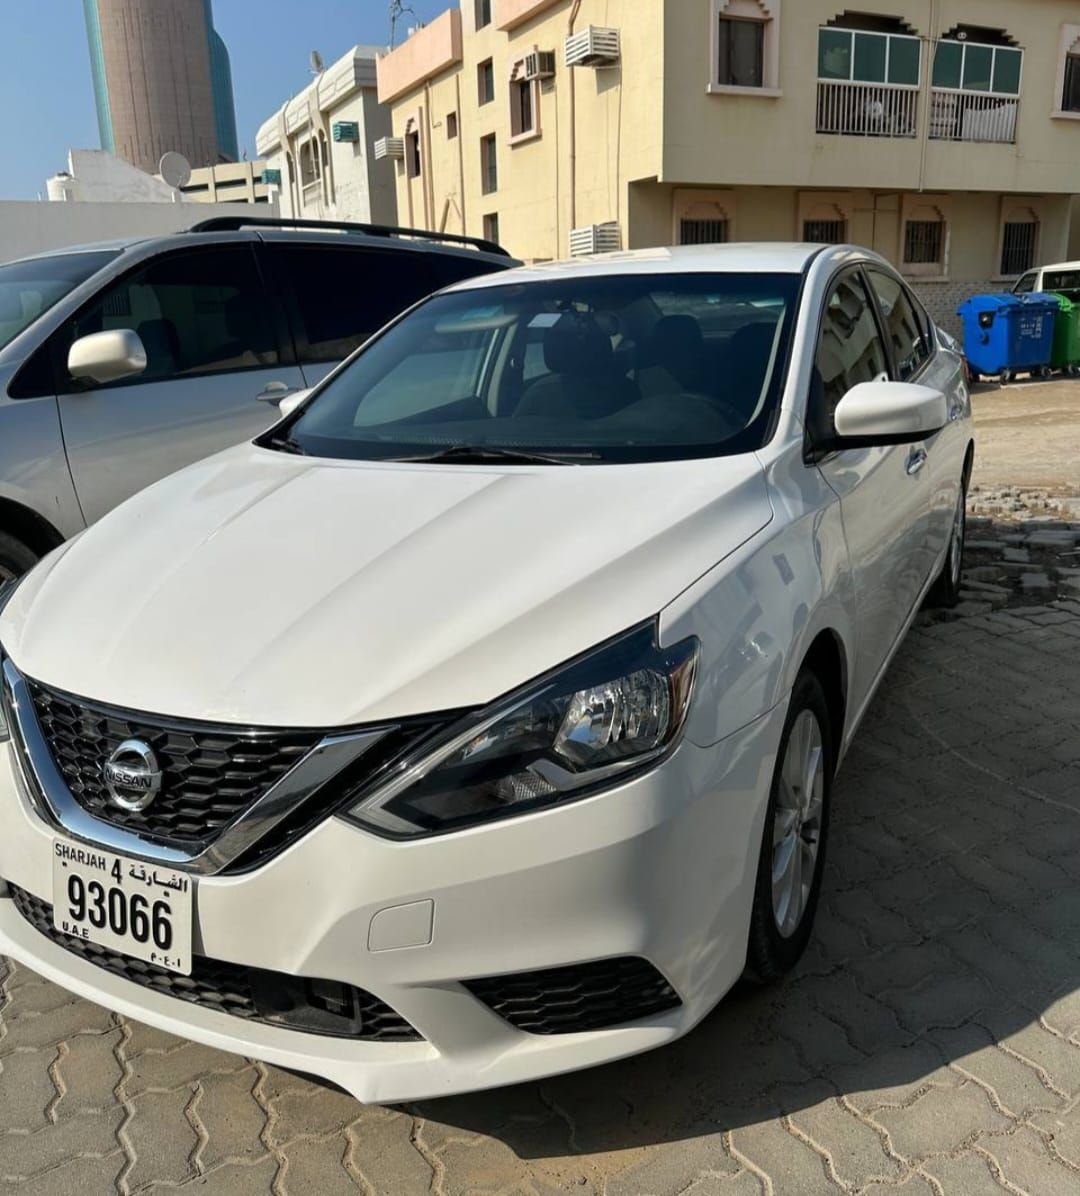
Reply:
x=661, y=868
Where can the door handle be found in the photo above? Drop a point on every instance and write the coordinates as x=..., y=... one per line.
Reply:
x=916, y=460
x=274, y=392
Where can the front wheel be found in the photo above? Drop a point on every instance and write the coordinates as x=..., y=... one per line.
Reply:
x=15, y=558
x=793, y=842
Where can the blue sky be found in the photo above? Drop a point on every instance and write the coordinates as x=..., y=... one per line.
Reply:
x=46, y=98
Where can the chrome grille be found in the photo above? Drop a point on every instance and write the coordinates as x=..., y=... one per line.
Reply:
x=211, y=773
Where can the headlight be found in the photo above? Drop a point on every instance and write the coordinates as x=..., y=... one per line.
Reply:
x=610, y=712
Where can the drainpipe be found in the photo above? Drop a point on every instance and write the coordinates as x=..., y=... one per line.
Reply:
x=575, y=9
x=460, y=152
x=429, y=182
x=924, y=123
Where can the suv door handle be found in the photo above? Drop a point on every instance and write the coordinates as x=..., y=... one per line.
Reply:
x=916, y=460
x=274, y=392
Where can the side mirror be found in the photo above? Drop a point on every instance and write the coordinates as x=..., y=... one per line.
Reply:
x=107, y=356
x=883, y=413
x=290, y=402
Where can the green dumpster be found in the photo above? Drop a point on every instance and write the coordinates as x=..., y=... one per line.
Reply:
x=1066, y=351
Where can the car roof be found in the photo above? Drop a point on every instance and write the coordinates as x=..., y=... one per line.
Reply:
x=1055, y=266
x=750, y=257
x=181, y=237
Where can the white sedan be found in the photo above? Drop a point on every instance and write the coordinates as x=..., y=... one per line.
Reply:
x=479, y=722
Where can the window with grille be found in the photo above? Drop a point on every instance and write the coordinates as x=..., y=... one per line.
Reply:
x=703, y=232
x=1018, y=246
x=742, y=53
x=1070, y=95
x=825, y=232
x=923, y=242
x=489, y=170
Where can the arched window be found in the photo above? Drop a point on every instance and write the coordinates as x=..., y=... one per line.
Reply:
x=1019, y=240
x=745, y=45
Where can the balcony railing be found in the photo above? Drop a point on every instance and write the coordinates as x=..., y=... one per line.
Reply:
x=969, y=116
x=867, y=109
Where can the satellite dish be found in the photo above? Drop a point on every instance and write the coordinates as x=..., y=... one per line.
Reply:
x=175, y=169
x=317, y=65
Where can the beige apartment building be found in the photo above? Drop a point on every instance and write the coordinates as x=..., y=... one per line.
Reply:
x=943, y=133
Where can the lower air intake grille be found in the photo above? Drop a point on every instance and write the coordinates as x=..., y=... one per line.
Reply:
x=325, y=1007
x=587, y=996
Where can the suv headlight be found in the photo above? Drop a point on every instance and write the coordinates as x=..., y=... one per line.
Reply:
x=610, y=712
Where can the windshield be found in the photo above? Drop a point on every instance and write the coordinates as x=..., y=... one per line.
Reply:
x=619, y=368
x=30, y=288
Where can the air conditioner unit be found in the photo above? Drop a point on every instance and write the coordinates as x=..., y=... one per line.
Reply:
x=540, y=64
x=390, y=147
x=595, y=238
x=593, y=47
x=346, y=130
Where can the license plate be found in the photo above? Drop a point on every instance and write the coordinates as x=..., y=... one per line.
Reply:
x=125, y=905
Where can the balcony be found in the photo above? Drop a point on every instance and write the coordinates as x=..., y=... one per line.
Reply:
x=867, y=109
x=972, y=116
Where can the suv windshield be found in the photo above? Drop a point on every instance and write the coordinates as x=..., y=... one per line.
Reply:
x=618, y=368
x=29, y=288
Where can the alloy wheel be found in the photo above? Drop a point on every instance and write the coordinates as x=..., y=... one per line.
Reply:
x=797, y=823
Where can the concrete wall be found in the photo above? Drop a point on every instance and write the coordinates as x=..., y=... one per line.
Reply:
x=27, y=228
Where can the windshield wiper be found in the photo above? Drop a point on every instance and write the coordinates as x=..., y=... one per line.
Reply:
x=479, y=454
x=286, y=444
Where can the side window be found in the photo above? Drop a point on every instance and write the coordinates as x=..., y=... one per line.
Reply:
x=850, y=350
x=337, y=298
x=447, y=268
x=1026, y=284
x=198, y=312
x=910, y=348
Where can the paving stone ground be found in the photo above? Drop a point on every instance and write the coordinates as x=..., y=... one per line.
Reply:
x=928, y=1043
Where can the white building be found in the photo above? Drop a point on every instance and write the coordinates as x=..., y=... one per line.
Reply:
x=96, y=176
x=319, y=148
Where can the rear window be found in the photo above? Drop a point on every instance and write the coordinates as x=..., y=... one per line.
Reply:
x=622, y=368
x=1067, y=281
x=338, y=298
x=28, y=289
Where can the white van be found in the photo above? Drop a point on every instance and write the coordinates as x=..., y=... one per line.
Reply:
x=1063, y=277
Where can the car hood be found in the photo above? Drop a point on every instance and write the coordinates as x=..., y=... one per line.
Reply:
x=275, y=590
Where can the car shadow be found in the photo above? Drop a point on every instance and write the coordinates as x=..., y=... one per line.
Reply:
x=947, y=926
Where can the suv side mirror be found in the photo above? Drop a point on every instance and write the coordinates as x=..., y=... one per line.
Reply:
x=883, y=413
x=107, y=356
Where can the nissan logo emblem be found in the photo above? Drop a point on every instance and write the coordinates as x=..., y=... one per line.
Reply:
x=132, y=776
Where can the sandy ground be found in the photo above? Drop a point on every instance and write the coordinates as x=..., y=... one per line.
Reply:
x=1028, y=435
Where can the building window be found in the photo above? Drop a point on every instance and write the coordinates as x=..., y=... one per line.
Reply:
x=451, y=125
x=1070, y=93
x=923, y=242
x=976, y=88
x=309, y=164
x=868, y=82
x=489, y=169
x=742, y=53
x=485, y=82
x=524, y=103
x=412, y=155
x=483, y=13
x=703, y=232
x=491, y=227
x=825, y=232
x=1019, y=239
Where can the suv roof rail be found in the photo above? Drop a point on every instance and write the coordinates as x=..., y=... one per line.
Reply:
x=231, y=224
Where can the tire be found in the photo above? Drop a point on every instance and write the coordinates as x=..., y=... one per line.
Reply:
x=1007, y=376
x=945, y=592
x=15, y=558
x=780, y=931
